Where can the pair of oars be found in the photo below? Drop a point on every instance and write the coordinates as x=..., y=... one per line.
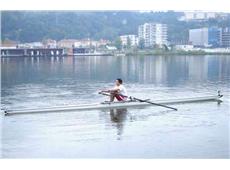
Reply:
x=141, y=100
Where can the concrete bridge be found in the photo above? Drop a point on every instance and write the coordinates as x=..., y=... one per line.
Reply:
x=14, y=52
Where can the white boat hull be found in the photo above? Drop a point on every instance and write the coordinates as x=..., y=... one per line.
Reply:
x=113, y=105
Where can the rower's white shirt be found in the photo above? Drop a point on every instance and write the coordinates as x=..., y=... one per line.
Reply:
x=122, y=90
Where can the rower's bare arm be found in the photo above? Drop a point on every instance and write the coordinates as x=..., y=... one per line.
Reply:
x=111, y=91
x=106, y=90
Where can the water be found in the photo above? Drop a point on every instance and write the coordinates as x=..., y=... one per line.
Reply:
x=198, y=130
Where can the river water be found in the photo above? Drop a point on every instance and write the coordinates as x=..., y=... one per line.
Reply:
x=196, y=130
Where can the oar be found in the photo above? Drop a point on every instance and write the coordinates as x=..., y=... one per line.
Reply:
x=157, y=104
x=146, y=101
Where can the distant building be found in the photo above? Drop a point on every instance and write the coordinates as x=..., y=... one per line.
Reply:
x=49, y=43
x=225, y=37
x=198, y=15
x=81, y=50
x=205, y=37
x=84, y=43
x=153, y=34
x=66, y=43
x=103, y=42
x=199, y=37
x=8, y=43
x=132, y=38
x=31, y=45
x=90, y=43
x=214, y=36
x=184, y=47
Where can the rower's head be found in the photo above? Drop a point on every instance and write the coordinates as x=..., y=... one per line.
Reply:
x=118, y=82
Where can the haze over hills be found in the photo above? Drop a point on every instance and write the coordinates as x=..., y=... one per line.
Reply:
x=29, y=26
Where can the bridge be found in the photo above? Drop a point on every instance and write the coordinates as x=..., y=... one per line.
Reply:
x=32, y=52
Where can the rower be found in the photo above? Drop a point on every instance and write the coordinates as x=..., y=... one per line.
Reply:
x=119, y=91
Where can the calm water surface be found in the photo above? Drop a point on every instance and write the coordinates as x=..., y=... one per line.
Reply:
x=198, y=130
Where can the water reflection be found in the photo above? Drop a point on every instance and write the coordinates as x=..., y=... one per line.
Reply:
x=171, y=71
x=118, y=117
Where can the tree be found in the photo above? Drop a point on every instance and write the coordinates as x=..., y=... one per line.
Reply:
x=141, y=43
x=16, y=25
x=118, y=43
x=165, y=47
x=128, y=43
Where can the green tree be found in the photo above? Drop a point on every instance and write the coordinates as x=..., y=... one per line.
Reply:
x=141, y=43
x=118, y=43
x=165, y=47
x=28, y=26
x=128, y=43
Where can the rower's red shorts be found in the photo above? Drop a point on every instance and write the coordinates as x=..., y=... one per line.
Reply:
x=120, y=98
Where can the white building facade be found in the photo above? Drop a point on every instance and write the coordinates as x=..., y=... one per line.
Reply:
x=132, y=38
x=153, y=34
x=198, y=15
x=199, y=37
x=205, y=37
x=225, y=37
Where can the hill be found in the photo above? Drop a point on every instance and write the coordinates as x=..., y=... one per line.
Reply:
x=29, y=26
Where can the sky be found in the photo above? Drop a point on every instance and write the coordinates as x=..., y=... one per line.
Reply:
x=156, y=5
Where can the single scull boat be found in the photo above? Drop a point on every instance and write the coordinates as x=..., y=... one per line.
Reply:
x=111, y=105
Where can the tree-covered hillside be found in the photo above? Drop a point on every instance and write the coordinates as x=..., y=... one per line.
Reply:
x=28, y=26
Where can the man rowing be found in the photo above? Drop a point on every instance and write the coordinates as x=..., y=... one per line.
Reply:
x=119, y=91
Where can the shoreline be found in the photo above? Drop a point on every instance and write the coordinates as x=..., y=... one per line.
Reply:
x=175, y=52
